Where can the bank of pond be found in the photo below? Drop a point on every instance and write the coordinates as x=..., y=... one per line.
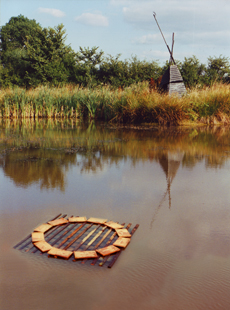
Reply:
x=134, y=104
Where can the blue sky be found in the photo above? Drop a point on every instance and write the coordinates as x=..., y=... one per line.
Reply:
x=201, y=27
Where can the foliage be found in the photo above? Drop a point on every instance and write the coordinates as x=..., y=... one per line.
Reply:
x=123, y=73
x=192, y=72
x=50, y=60
x=218, y=69
x=13, y=50
x=88, y=61
x=32, y=56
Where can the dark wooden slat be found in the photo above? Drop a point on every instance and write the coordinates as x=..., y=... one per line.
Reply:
x=99, y=243
x=107, y=257
x=56, y=229
x=47, y=233
x=72, y=234
x=62, y=235
x=119, y=253
x=25, y=245
x=29, y=236
x=77, y=237
x=94, y=239
x=87, y=237
x=24, y=240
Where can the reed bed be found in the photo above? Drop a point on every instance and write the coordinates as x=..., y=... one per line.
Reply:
x=134, y=104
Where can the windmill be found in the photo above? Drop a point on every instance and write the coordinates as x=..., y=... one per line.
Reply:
x=172, y=81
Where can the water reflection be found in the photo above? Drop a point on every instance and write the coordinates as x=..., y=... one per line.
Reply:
x=170, y=163
x=41, y=151
x=26, y=166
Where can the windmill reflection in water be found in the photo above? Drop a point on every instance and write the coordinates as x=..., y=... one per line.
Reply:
x=170, y=163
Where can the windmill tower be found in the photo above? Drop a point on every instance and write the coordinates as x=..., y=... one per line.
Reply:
x=172, y=81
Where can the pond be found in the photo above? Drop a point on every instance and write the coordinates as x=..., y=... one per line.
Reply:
x=173, y=182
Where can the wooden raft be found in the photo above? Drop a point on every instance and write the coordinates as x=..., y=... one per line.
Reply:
x=93, y=241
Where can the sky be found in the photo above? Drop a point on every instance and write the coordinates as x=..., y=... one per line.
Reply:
x=127, y=27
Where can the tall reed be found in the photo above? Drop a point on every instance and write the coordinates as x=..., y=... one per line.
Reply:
x=135, y=103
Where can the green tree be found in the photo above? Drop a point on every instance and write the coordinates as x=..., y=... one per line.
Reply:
x=13, y=37
x=51, y=61
x=31, y=55
x=192, y=71
x=120, y=73
x=88, y=62
x=218, y=69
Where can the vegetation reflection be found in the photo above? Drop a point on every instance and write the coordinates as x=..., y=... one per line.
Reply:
x=41, y=151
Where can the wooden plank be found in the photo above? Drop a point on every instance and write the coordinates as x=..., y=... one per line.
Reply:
x=103, y=238
x=43, y=228
x=43, y=246
x=47, y=233
x=29, y=236
x=94, y=238
x=107, y=243
x=98, y=244
x=77, y=219
x=58, y=222
x=108, y=250
x=114, y=225
x=115, y=234
x=123, y=233
x=63, y=234
x=60, y=253
x=72, y=234
x=77, y=237
x=118, y=254
x=96, y=220
x=122, y=242
x=86, y=238
x=24, y=240
x=56, y=231
x=37, y=236
x=85, y=254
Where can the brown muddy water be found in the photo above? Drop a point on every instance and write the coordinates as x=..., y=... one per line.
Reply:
x=173, y=182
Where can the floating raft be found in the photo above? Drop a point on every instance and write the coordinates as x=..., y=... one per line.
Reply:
x=78, y=239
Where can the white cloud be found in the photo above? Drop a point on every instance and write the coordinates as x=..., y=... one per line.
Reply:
x=175, y=15
x=53, y=12
x=147, y=39
x=96, y=19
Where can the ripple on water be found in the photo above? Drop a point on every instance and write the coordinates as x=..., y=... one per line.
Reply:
x=201, y=284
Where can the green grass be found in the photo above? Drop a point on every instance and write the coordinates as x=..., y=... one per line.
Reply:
x=134, y=104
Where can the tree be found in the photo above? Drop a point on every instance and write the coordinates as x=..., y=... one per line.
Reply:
x=13, y=37
x=50, y=60
x=192, y=72
x=88, y=62
x=31, y=55
x=120, y=73
x=218, y=69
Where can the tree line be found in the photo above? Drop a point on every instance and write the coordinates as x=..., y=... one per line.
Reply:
x=32, y=55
